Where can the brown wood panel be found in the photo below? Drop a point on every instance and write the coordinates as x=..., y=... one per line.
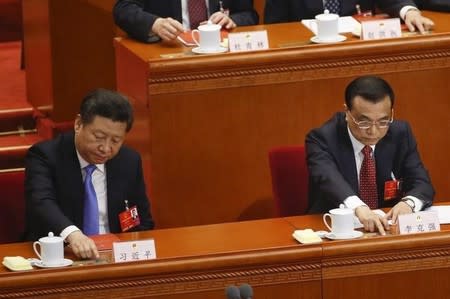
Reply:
x=259, y=7
x=212, y=119
x=68, y=52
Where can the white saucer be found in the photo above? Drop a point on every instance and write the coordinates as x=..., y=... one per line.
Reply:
x=199, y=50
x=355, y=234
x=339, y=38
x=38, y=263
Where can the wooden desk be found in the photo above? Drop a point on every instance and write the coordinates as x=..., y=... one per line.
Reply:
x=407, y=266
x=201, y=261
x=205, y=123
x=193, y=262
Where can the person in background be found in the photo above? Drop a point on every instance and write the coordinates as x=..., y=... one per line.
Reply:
x=77, y=184
x=437, y=5
x=152, y=20
x=364, y=159
x=281, y=11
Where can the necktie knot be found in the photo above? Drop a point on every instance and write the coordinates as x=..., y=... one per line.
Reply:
x=367, y=151
x=90, y=169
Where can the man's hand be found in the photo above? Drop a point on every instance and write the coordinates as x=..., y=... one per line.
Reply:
x=399, y=209
x=371, y=221
x=167, y=28
x=223, y=20
x=414, y=19
x=82, y=246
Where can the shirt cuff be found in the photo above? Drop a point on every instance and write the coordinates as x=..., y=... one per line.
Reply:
x=405, y=9
x=417, y=202
x=352, y=202
x=67, y=231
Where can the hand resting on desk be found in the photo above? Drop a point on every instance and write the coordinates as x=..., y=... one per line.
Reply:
x=82, y=246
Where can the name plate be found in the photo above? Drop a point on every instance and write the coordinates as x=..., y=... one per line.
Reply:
x=248, y=41
x=420, y=222
x=134, y=251
x=380, y=29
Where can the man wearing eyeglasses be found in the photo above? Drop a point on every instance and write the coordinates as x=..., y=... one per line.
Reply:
x=364, y=159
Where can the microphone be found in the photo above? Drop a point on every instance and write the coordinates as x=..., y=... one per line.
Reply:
x=232, y=292
x=246, y=291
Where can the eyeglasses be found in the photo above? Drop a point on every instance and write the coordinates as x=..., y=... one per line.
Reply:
x=367, y=124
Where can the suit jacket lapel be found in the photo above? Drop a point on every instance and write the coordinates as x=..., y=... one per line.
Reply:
x=114, y=192
x=71, y=170
x=176, y=8
x=213, y=6
x=346, y=155
x=384, y=151
x=316, y=6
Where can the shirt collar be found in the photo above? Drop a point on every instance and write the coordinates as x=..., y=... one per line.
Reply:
x=357, y=146
x=84, y=163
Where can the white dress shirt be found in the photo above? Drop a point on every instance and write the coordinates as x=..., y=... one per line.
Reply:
x=99, y=182
x=352, y=202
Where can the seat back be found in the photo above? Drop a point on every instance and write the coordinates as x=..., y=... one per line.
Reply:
x=289, y=179
x=12, y=204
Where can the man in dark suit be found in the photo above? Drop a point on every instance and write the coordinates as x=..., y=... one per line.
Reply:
x=336, y=160
x=281, y=11
x=56, y=175
x=150, y=20
x=438, y=5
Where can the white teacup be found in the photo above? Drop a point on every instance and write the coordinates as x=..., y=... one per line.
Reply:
x=341, y=222
x=209, y=36
x=51, y=251
x=327, y=26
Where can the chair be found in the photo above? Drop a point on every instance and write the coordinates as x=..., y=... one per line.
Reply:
x=12, y=204
x=289, y=179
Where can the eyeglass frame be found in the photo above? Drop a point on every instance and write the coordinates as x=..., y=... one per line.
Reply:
x=372, y=122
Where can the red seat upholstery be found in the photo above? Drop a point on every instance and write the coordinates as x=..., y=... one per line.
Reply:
x=289, y=179
x=12, y=205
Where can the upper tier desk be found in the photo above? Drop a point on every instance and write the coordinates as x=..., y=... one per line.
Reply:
x=205, y=123
x=199, y=262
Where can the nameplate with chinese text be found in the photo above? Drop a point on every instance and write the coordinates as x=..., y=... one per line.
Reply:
x=420, y=222
x=132, y=251
x=248, y=41
x=380, y=29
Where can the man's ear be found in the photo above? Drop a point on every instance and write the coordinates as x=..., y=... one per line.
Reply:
x=78, y=123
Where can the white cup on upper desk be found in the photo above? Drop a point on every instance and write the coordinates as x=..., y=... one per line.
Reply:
x=51, y=251
x=327, y=26
x=208, y=36
x=341, y=222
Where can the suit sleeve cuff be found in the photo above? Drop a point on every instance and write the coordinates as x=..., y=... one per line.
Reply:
x=405, y=9
x=352, y=202
x=67, y=231
x=418, y=203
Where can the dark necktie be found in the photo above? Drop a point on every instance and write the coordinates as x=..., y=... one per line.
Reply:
x=368, y=180
x=197, y=12
x=90, y=220
x=333, y=6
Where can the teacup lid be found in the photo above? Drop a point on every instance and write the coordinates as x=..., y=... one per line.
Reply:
x=210, y=26
x=51, y=238
x=327, y=16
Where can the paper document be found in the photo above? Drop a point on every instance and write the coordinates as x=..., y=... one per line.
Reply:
x=443, y=213
x=346, y=24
